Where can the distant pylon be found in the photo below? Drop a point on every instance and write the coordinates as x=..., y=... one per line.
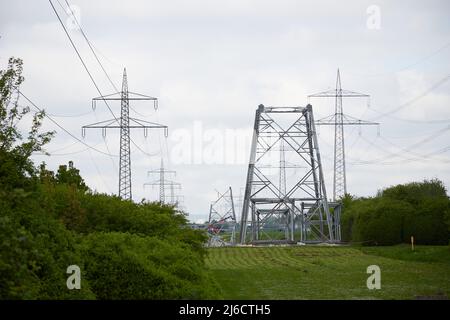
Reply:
x=123, y=123
x=222, y=219
x=339, y=119
x=163, y=182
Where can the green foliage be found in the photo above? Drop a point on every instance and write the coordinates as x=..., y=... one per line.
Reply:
x=418, y=209
x=380, y=222
x=35, y=251
x=50, y=221
x=15, y=150
x=129, y=266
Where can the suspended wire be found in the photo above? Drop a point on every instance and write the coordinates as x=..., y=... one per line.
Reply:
x=412, y=120
x=412, y=101
x=418, y=157
x=85, y=66
x=87, y=70
x=434, y=53
x=89, y=44
x=81, y=59
x=99, y=174
x=69, y=116
x=64, y=129
x=408, y=149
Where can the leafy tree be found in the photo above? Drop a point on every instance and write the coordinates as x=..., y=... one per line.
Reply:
x=70, y=176
x=15, y=150
x=419, y=209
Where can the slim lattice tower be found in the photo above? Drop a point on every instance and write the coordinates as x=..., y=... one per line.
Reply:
x=125, y=159
x=163, y=183
x=125, y=123
x=338, y=120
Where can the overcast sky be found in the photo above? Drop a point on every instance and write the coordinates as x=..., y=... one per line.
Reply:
x=211, y=63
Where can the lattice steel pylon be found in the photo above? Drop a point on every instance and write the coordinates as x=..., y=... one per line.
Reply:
x=338, y=120
x=222, y=216
x=303, y=207
x=163, y=183
x=123, y=123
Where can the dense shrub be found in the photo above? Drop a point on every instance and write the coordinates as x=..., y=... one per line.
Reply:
x=35, y=251
x=397, y=213
x=129, y=266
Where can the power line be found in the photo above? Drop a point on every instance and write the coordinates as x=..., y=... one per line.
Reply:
x=64, y=129
x=408, y=150
x=90, y=46
x=408, y=103
x=86, y=68
x=434, y=53
x=81, y=59
x=89, y=73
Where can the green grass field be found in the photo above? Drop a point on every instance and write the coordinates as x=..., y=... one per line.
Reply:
x=329, y=272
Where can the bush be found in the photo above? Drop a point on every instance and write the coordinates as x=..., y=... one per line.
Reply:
x=397, y=213
x=35, y=251
x=128, y=266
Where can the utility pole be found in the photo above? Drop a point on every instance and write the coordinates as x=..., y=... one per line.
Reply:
x=338, y=120
x=124, y=123
x=163, y=182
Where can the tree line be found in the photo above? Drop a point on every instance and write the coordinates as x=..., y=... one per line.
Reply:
x=395, y=214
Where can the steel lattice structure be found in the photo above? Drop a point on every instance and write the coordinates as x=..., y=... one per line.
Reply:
x=124, y=123
x=221, y=215
x=301, y=212
x=338, y=120
x=163, y=183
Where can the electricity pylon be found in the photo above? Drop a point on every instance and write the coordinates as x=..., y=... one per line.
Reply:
x=304, y=203
x=282, y=170
x=221, y=215
x=123, y=123
x=163, y=183
x=338, y=120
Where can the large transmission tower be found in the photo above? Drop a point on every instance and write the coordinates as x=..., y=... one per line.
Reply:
x=282, y=169
x=163, y=182
x=124, y=123
x=222, y=219
x=338, y=120
x=302, y=206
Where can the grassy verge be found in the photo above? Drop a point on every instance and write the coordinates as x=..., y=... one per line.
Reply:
x=313, y=272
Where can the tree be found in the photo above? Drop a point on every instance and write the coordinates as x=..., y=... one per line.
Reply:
x=70, y=176
x=15, y=149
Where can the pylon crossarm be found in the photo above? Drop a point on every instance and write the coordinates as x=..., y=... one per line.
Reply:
x=117, y=96
x=148, y=124
x=142, y=95
x=342, y=93
x=106, y=96
x=101, y=124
